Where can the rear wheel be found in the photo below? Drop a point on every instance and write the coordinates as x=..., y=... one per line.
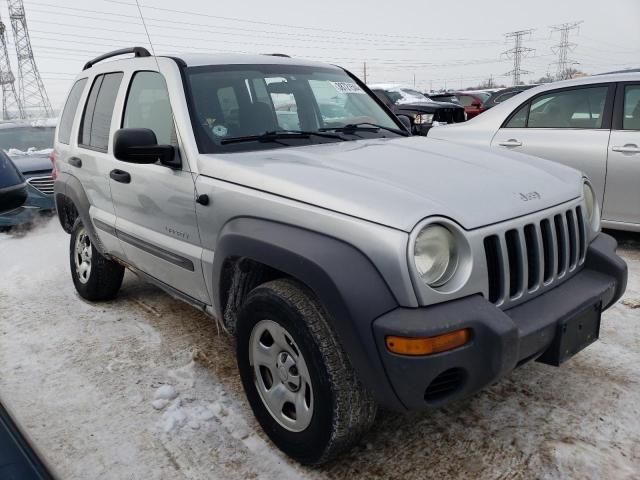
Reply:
x=297, y=378
x=94, y=276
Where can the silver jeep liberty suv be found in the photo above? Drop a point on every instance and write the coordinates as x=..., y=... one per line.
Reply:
x=355, y=265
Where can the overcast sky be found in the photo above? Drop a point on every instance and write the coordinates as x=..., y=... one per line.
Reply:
x=443, y=43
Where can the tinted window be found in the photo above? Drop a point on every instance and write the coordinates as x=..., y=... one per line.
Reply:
x=69, y=112
x=96, y=121
x=505, y=96
x=631, y=118
x=579, y=108
x=465, y=100
x=148, y=106
x=519, y=120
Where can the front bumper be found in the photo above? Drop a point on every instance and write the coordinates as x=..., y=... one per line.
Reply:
x=501, y=340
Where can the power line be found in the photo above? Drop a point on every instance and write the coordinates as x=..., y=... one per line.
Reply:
x=564, y=64
x=516, y=53
x=33, y=95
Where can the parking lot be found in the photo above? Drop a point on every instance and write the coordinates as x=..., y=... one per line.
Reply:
x=90, y=386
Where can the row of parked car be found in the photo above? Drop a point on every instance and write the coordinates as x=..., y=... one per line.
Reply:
x=426, y=110
x=26, y=181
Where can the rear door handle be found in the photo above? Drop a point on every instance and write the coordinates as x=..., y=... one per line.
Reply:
x=628, y=148
x=512, y=142
x=75, y=162
x=120, y=176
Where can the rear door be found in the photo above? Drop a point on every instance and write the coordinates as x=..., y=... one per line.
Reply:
x=622, y=191
x=155, y=204
x=570, y=126
x=91, y=162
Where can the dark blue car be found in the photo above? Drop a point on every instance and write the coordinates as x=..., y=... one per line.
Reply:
x=29, y=145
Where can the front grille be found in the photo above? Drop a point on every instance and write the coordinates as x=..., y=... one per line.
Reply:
x=449, y=115
x=523, y=260
x=42, y=184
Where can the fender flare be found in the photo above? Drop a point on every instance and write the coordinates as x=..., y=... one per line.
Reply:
x=345, y=281
x=68, y=188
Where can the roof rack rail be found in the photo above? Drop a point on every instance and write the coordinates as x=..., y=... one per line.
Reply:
x=277, y=55
x=137, y=51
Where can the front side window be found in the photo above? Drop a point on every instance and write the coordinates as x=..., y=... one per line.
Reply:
x=148, y=106
x=69, y=112
x=231, y=102
x=631, y=112
x=578, y=108
x=96, y=120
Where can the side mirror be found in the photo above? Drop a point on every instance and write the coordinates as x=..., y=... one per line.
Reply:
x=139, y=145
x=406, y=121
x=12, y=197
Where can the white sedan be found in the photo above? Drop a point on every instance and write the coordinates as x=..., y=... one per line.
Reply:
x=591, y=123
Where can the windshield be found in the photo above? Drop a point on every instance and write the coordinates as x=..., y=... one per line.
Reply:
x=9, y=175
x=236, y=101
x=16, y=140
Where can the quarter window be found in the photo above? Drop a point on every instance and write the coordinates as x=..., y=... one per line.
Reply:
x=631, y=115
x=96, y=120
x=69, y=111
x=148, y=106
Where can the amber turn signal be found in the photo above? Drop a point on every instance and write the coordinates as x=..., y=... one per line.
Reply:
x=428, y=345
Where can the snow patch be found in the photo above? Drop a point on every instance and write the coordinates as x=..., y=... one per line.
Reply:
x=166, y=392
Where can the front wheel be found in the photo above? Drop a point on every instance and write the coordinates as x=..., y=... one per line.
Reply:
x=297, y=378
x=95, y=277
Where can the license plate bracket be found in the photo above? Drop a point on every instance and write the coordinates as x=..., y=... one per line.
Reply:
x=573, y=334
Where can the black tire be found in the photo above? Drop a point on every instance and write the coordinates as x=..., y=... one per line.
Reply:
x=343, y=410
x=105, y=276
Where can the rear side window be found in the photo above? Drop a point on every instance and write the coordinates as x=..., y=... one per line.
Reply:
x=579, y=108
x=148, y=106
x=69, y=112
x=96, y=120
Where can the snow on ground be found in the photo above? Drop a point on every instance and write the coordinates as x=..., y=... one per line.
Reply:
x=145, y=387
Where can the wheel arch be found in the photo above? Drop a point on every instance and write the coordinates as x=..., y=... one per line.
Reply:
x=251, y=251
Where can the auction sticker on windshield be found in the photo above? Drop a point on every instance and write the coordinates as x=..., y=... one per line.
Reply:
x=346, y=87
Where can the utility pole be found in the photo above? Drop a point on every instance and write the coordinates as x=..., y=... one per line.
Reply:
x=365, y=73
x=562, y=49
x=32, y=94
x=517, y=53
x=11, y=105
x=414, y=80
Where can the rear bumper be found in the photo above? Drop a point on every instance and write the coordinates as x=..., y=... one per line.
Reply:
x=501, y=340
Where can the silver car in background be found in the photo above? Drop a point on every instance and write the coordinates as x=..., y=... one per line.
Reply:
x=591, y=123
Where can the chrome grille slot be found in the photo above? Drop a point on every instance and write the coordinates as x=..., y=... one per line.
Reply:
x=42, y=184
x=525, y=260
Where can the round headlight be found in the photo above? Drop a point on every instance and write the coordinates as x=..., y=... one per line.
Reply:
x=589, y=199
x=435, y=255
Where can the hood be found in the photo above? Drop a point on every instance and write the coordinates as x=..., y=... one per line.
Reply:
x=28, y=162
x=398, y=182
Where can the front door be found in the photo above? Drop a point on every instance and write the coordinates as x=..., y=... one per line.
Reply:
x=569, y=126
x=154, y=203
x=622, y=192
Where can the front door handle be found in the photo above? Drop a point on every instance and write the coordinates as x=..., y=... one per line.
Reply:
x=120, y=176
x=628, y=148
x=512, y=142
x=75, y=162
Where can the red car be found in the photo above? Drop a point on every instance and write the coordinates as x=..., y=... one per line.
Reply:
x=473, y=102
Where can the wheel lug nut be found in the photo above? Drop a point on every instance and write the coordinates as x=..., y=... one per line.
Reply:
x=293, y=370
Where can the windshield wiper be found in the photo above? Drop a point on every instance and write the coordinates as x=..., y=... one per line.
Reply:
x=366, y=127
x=274, y=136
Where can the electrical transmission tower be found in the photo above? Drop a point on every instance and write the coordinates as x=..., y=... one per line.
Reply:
x=517, y=53
x=33, y=96
x=11, y=105
x=562, y=49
